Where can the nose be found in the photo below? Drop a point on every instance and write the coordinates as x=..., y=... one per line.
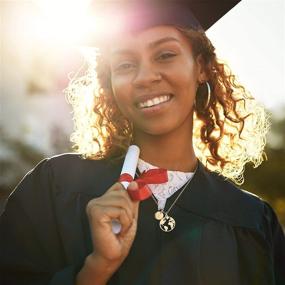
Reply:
x=147, y=75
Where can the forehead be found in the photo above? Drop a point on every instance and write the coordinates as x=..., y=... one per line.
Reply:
x=147, y=38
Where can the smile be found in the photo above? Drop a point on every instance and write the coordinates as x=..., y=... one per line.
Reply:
x=154, y=101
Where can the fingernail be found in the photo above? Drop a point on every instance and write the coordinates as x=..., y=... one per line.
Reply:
x=133, y=185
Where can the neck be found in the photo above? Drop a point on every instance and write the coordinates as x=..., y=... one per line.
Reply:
x=173, y=151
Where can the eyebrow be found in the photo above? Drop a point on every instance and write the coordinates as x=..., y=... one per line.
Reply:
x=161, y=41
x=150, y=45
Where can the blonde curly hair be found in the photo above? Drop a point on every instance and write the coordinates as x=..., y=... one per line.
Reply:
x=228, y=132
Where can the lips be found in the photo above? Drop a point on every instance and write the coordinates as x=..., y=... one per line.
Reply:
x=151, y=100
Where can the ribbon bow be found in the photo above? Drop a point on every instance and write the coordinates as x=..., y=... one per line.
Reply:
x=151, y=176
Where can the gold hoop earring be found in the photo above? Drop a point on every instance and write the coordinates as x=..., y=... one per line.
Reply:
x=203, y=91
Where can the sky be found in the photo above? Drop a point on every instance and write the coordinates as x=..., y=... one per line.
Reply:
x=251, y=38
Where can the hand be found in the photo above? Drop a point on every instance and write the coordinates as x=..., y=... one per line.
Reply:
x=115, y=204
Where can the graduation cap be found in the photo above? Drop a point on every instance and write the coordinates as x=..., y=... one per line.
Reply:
x=134, y=15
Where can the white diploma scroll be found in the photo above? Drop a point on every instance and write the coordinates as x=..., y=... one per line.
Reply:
x=129, y=167
x=130, y=163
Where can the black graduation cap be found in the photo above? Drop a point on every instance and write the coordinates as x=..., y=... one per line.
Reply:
x=141, y=14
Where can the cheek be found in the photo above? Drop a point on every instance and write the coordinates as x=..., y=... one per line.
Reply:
x=121, y=91
x=185, y=81
x=185, y=73
x=119, y=88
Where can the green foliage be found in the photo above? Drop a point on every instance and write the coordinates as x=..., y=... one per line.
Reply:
x=268, y=180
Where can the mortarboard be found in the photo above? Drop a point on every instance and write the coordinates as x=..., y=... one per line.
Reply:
x=133, y=15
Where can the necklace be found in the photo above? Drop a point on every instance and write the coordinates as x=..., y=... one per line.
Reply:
x=166, y=222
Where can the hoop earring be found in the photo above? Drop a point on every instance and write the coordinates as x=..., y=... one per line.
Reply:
x=200, y=93
x=208, y=94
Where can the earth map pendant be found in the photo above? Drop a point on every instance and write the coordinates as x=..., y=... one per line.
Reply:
x=159, y=215
x=167, y=224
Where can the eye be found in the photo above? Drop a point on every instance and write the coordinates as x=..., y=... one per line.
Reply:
x=166, y=55
x=124, y=66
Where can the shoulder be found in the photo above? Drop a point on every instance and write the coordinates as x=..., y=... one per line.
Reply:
x=244, y=210
x=74, y=163
x=233, y=196
x=72, y=171
x=68, y=173
x=67, y=165
x=231, y=204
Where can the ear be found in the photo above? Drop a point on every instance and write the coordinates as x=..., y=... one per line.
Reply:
x=201, y=73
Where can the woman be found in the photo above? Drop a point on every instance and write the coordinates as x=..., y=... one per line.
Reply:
x=162, y=88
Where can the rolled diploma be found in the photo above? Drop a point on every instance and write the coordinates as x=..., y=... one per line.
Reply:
x=129, y=166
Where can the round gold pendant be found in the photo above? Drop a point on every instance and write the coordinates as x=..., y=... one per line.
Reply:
x=159, y=215
x=167, y=224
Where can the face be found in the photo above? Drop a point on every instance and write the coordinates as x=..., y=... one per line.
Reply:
x=154, y=79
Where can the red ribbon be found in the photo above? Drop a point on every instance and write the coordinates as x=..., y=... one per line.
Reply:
x=151, y=176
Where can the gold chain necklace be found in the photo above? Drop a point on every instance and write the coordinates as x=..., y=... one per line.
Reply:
x=166, y=222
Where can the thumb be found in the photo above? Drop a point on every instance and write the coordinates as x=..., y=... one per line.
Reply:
x=133, y=186
x=133, y=191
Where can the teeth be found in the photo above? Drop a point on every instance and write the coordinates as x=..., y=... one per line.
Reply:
x=154, y=101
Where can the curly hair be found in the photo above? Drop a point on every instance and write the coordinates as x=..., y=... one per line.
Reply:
x=229, y=130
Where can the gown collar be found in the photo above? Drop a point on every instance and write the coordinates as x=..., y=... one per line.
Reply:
x=163, y=191
x=211, y=195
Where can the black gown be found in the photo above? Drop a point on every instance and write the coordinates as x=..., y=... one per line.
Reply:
x=223, y=235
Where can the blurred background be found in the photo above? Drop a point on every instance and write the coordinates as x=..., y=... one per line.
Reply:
x=39, y=53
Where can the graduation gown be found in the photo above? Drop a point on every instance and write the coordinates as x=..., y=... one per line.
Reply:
x=223, y=235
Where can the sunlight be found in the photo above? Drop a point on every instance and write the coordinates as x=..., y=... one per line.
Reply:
x=73, y=22
x=62, y=22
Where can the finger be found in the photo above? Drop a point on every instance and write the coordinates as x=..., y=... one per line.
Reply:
x=115, y=187
x=102, y=216
x=118, y=200
x=119, y=190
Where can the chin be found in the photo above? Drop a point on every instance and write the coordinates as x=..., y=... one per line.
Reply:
x=155, y=131
x=164, y=125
